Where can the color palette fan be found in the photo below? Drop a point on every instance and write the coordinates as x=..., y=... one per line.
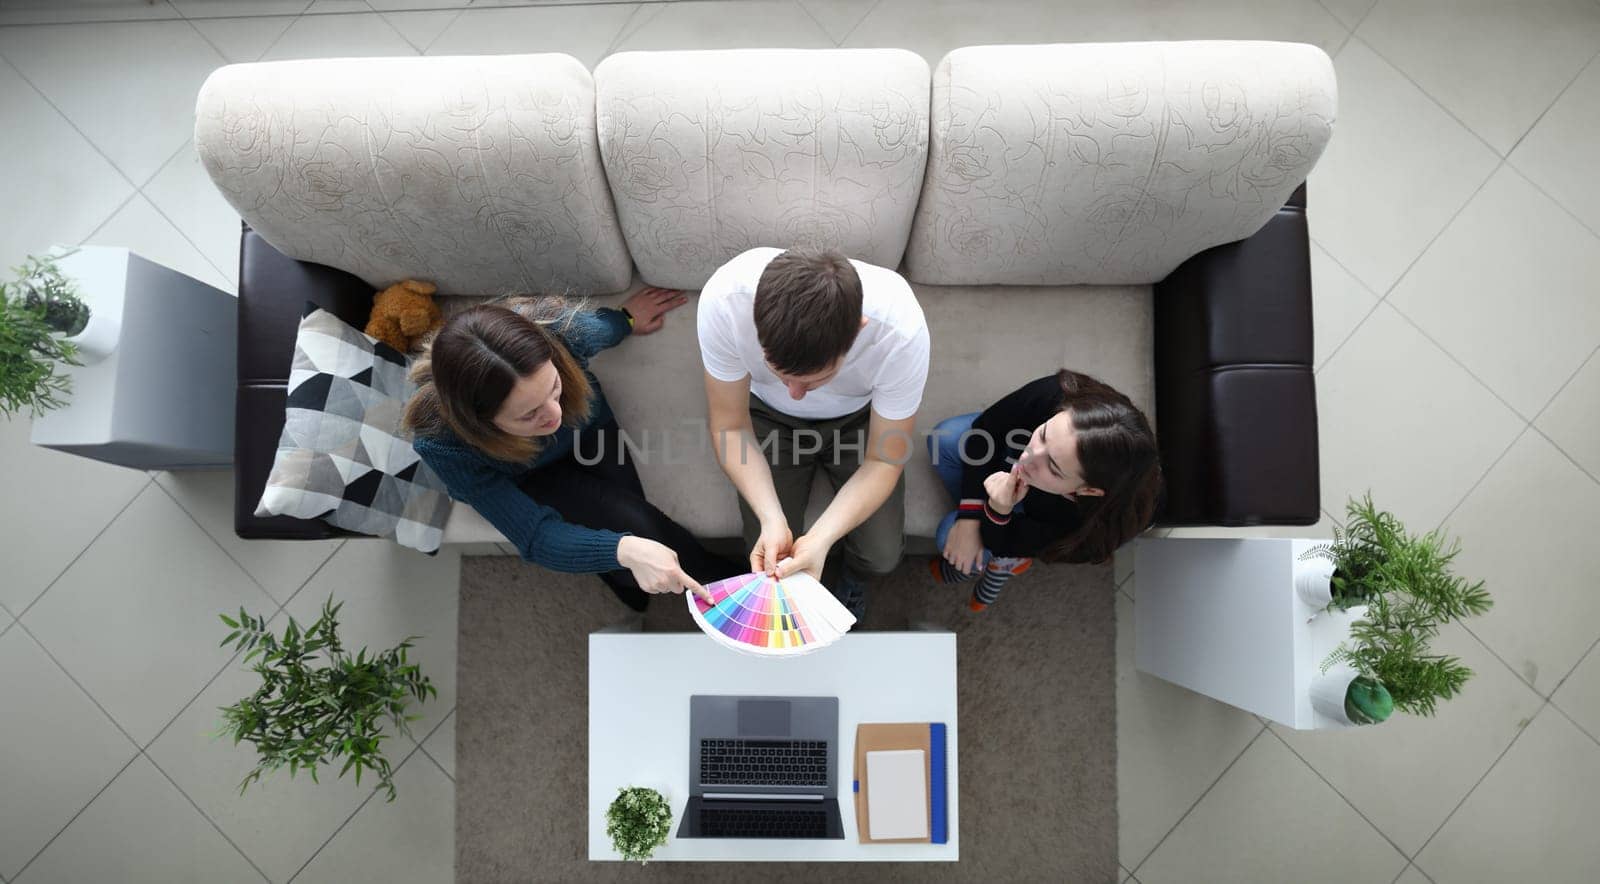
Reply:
x=760, y=614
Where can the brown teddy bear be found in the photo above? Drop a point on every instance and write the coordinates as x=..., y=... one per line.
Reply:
x=403, y=313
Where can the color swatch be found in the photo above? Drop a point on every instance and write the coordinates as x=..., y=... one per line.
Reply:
x=759, y=614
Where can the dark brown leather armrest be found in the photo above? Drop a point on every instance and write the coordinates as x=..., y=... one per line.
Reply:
x=273, y=291
x=1236, y=401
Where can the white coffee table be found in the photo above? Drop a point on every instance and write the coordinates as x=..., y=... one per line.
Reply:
x=639, y=688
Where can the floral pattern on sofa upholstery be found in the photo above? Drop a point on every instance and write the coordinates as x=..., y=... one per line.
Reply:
x=713, y=153
x=1111, y=163
x=480, y=174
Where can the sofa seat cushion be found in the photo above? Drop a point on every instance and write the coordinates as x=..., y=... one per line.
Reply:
x=480, y=174
x=1111, y=163
x=986, y=342
x=712, y=153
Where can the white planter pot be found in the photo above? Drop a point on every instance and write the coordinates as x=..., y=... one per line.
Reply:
x=99, y=337
x=1312, y=582
x=1328, y=692
x=100, y=274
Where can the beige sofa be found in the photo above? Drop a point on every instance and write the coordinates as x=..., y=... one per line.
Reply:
x=1033, y=195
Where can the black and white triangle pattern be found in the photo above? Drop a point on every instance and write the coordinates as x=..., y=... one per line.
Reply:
x=342, y=457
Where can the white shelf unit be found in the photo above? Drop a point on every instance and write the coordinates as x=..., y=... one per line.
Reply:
x=1221, y=617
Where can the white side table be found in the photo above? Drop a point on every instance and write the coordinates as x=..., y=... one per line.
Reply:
x=1221, y=617
x=164, y=397
x=639, y=689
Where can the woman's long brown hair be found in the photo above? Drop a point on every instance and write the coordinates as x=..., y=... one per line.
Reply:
x=470, y=365
x=1118, y=453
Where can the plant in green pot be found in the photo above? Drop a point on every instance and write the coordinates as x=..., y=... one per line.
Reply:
x=1367, y=701
x=305, y=715
x=638, y=822
x=39, y=315
x=1387, y=663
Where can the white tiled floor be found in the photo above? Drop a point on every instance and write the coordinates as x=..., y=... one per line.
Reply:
x=1455, y=262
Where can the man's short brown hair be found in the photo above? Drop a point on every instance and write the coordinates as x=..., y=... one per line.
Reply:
x=807, y=310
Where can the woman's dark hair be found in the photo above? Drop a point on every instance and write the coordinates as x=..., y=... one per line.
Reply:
x=470, y=365
x=1117, y=452
x=807, y=310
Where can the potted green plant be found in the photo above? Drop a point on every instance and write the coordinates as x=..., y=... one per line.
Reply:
x=40, y=315
x=1348, y=696
x=44, y=288
x=1346, y=572
x=638, y=822
x=1409, y=592
x=1386, y=665
x=305, y=715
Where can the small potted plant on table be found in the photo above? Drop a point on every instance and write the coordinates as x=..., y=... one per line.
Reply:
x=638, y=822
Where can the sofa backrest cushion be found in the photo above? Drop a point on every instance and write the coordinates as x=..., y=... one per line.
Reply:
x=479, y=174
x=1111, y=163
x=712, y=153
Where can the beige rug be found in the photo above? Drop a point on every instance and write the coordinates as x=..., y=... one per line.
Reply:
x=1037, y=705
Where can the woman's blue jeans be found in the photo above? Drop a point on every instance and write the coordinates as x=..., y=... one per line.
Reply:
x=944, y=448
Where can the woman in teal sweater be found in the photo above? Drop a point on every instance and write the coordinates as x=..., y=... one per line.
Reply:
x=505, y=400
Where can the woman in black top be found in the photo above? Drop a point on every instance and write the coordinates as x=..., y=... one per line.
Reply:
x=1064, y=469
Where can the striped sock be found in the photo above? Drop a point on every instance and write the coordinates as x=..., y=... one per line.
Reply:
x=999, y=570
x=944, y=572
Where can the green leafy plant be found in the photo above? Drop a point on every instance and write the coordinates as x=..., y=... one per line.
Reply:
x=1359, y=552
x=44, y=288
x=1410, y=592
x=638, y=822
x=36, y=313
x=304, y=715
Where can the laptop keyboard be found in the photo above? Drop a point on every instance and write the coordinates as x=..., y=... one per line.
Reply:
x=749, y=823
x=764, y=763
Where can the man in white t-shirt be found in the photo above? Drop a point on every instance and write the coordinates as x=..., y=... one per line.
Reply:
x=836, y=354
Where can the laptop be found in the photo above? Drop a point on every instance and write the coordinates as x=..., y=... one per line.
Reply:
x=763, y=767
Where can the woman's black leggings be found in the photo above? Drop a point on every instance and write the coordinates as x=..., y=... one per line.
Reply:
x=608, y=494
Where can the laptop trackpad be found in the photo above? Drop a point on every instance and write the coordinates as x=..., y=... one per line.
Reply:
x=763, y=718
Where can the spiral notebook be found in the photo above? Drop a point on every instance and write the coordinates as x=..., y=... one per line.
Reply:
x=901, y=788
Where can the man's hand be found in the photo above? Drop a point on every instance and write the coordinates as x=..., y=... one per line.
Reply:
x=963, y=548
x=1005, y=490
x=649, y=305
x=808, y=555
x=774, y=544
